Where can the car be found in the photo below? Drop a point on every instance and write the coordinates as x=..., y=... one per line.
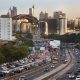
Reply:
x=46, y=69
x=71, y=76
x=78, y=77
x=55, y=62
x=11, y=73
x=76, y=73
x=22, y=78
x=27, y=68
x=52, y=66
x=5, y=71
x=2, y=74
x=78, y=61
x=18, y=69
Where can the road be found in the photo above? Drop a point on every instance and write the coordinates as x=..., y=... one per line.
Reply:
x=75, y=69
x=32, y=74
x=52, y=75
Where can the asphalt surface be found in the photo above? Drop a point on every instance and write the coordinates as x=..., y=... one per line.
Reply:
x=58, y=71
x=74, y=70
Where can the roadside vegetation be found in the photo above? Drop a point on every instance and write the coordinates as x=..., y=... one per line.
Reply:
x=12, y=52
x=68, y=38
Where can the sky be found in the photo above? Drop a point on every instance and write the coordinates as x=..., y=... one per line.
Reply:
x=70, y=7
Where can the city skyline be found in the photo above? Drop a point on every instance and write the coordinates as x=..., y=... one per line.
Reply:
x=69, y=7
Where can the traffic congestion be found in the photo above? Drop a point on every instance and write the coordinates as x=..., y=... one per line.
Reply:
x=74, y=72
x=41, y=54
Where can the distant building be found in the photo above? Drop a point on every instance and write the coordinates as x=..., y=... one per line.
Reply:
x=43, y=16
x=31, y=11
x=12, y=12
x=6, y=28
x=43, y=26
x=52, y=26
x=46, y=16
x=62, y=22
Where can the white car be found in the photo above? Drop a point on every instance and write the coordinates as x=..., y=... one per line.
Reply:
x=52, y=66
x=22, y=78
x=71, y=76
x=78, y=77
x=6, y=71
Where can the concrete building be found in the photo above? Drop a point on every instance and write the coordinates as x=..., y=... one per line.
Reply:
x=43, y=16
x=31, y=11
x=46, y=15
x=62, y=22
x=12, y=11
x=43, y=26
x=52, y=26
x=6, y=28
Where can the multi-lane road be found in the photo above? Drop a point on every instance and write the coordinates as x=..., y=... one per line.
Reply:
x=56, y=73
x=75, y=70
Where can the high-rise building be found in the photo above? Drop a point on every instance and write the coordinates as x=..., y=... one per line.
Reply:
x=52, y=26
x=61, y=22
x=43, y=16
x=43, y=26
x=31, y=11
x=6, y=28
x=46, y=16
x=12, y=12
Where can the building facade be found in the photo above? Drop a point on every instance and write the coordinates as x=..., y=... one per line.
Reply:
x=31, y=11
x=52, y=26
x=12, y=11
x=43, y=16
x=61, y=22
x=43, y=26
x=6, y=28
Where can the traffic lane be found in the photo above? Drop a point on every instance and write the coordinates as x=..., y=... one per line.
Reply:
x=27, y=72
x=40, y=72
x=73, y=70
x=43, y=72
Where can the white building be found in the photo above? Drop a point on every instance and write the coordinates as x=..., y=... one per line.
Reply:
x=62, y=25
x=31, y=11
x=62, y=22
x=6, y=28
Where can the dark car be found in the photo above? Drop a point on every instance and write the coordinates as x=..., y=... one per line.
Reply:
x=46, y=70
x=2, y=74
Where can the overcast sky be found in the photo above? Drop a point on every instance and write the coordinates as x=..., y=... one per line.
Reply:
x=70, y=7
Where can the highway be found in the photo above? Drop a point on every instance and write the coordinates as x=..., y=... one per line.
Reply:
x=59, y=70
x=38, y=71
x=75, y=69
